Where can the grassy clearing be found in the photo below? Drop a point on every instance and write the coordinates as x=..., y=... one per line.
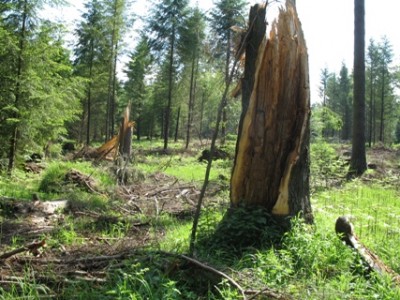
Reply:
x=306, y=262
x=186, y=169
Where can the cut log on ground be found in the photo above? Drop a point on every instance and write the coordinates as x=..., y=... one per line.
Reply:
x=345, y=229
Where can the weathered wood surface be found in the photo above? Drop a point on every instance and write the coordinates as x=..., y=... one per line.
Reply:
x=272, y=162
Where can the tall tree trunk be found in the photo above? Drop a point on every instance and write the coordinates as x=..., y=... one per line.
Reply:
x=382, y=124
x=15, y=115
x=89, y=99
x=177, y=125
x=272, y=160
x=139, y=124
x=163, y=123
x=203, y=100
x=227, y=64
x=374, y=123
x=371, y=104
x=170, y=86
x=114, y=88
x=191, y=102
x=358, y=162
x=111, y=77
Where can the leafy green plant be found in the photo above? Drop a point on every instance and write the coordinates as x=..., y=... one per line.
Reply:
x=53, y=179
x=141, y=282
x=241, y=228
x=326, y=166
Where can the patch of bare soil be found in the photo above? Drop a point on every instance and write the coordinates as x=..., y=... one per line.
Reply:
x=385, y=165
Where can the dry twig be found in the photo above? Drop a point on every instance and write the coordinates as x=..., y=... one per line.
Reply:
x=33, y=248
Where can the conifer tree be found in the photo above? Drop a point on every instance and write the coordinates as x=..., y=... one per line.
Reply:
x=135, y=87
x=189, y=46
x=225, y=17
x=166, y=18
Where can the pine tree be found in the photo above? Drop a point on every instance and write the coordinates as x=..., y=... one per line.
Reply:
x=345, y=103
x=227, y=15
x=91, y=51
x=166, y=17
x=34, y=66
x=386, y=57
x=358, y=161
x=135, y=87
x=189, y=46
x=371, y=88
x=117, y=24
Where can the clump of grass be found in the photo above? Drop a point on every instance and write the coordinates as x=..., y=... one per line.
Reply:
x=81, y=201
x=53, y=180
x=20, y=185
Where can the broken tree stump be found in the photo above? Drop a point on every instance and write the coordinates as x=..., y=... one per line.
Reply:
x=272, y=155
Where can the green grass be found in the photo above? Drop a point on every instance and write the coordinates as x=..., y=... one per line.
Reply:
x=53, y=177
x=307, y=262
x=20, y=185
x=375, y=212
x=187, y=169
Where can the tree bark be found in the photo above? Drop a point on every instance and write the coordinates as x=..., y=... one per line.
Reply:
x=170, y=86
x=191, y=102
x=227, y=64
x=272, y=161
x=382, y=124
x=371, y=103
x=18, y=90
x=177, y=125
x=358, y=162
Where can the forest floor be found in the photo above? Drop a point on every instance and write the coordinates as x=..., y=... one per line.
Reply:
x=81, y=243
x=61, y=244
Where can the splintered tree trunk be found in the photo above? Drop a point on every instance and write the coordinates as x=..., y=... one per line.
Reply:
x=272, y=155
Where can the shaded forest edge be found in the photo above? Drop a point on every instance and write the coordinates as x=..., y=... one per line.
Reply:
x=108, y=240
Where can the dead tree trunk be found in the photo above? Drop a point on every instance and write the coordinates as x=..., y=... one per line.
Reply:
x=272, y=156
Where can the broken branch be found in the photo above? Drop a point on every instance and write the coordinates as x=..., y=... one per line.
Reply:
x=33, y=248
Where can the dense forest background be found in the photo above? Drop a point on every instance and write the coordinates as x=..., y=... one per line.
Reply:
x=52, y=92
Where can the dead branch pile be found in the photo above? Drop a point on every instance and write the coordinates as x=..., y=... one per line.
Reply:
x=33, y=167
x=160, y=194
x=81, y=181
x=95, y=269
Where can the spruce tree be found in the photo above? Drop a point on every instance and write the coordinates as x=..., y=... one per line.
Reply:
x=164, y=22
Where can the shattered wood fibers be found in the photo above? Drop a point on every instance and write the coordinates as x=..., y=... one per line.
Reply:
x=276, y=122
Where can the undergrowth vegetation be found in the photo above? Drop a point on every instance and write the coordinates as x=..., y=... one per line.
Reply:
x=303, y=261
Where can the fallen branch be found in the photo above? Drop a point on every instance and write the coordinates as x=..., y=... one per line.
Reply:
x=130, y=254
x=215, y=271
x=267, y=292
x=33, y=248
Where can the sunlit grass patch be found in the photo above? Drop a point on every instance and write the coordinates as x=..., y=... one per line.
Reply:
x=21, y=185
x=54, y=181
x=185, y=168
x=374, y=211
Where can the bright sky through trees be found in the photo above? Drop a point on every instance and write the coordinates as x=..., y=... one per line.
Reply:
x=327, y=25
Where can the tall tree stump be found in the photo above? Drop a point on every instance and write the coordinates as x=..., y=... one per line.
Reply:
x=271, y=167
